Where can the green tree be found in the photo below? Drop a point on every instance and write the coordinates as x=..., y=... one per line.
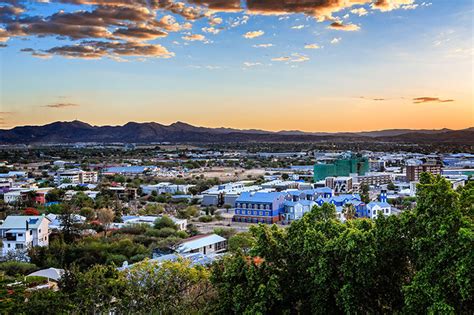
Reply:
x=165, y=222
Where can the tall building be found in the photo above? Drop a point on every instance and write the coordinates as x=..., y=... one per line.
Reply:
x=341, y=167
x=413, y=171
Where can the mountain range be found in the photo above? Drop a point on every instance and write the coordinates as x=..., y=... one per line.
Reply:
x=133, y=132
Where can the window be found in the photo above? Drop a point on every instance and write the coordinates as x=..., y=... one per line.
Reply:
x=19, y=246
x=20, y=235
x=31, y=232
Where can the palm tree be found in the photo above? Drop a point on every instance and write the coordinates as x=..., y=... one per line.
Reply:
x=349, y=211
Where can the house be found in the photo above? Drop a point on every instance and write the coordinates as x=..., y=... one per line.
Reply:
x=37, y=195
x=205, y=244
x=374, y=208
x=259, y=207
x=18, y=233
x=226, y=193
x=150, y=220
x=294, y=210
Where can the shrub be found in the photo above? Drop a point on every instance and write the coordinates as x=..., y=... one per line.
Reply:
x=31, y=211
x=205, y=218
x=14, y=268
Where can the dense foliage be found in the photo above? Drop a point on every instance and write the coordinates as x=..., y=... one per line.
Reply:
x=418, y=262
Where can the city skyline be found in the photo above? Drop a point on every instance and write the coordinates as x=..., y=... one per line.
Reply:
x=317, y=66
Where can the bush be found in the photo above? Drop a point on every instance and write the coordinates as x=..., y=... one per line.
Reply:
x=116, y=259
x=165, y=232
x=31, y=211
x=205, y=218
x=165, y=222
x=182, y=234
x=15, y=268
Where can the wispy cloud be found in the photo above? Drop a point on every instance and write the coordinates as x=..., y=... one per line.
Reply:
x=344, y=27
x=61, y=105
x=429, y=99
x=263, y=45
x=312, y=46
x=253, y=34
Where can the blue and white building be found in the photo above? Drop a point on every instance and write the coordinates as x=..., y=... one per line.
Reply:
x=260, y=207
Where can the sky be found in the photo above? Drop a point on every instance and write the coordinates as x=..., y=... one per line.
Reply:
x=311, y=65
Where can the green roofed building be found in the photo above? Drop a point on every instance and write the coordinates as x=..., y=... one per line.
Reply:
x=341, y=167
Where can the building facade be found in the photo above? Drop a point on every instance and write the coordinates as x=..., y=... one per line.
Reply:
x=259, y=207
x=413, y=171
x=341, y=167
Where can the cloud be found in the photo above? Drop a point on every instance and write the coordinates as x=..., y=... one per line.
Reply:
x=194, y=37
x=297, y=27
x=127, y=24
x=295, y=57
x=253, y=34
x=359, y=11
x=211, y=30
x=344, y=27
x=263, y=45
x=389, y=5
x=98, y=49
x=429, y=99
x=252, y=64
x=312, y=46
x=61, y=105
x=281, y=59
x=374, y=99
x=336, y=40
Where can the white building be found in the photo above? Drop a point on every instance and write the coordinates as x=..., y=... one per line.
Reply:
x=342, y=184
x=166, y=188
x=204, y=244
x=76, y=176
x=18, y=233
x=294, y=210
x=375, y=208
x=182, y=224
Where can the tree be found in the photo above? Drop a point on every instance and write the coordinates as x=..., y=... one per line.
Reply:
x=31, y=211
x=69, y=224
x=417, y=262
x=105, y=217
x=165, y=222
x=391, y=186
x=241, y=242
x=88, y=212
x=165, y=288
x=349, y=211
x=364, y=193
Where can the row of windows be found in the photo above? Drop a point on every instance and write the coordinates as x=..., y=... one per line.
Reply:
x=253, y=212
x=254, y=206
x=253, y=220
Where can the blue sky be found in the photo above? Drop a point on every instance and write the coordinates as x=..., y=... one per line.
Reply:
x=402, y=64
